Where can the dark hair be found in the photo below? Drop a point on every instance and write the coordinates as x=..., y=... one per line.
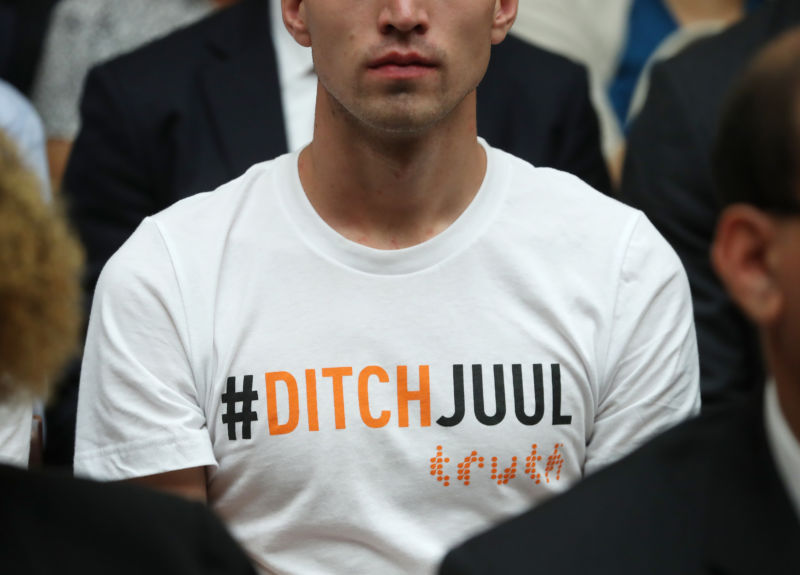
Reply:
x=757, y=150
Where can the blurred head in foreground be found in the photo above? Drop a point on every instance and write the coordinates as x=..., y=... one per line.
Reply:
x=40, y=267
x=756, y=251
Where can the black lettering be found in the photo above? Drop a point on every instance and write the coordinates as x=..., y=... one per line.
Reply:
x=538, y=394
x=558, y=419
x=458, y=399
x=499, y=395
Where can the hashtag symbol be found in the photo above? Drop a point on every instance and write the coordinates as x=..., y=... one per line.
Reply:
x=247, y=415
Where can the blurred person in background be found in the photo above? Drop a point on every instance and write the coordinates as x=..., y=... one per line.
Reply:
x=21, y=125
x=586, y=31
x=20, y=122
x=667, y=175
x=51, y=523
x=618, y=41
x=658, y=25
x=719, y=494
x=23, y=25
x=83, y=33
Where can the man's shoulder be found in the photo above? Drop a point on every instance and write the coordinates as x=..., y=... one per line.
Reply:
x=560, y=193
x=644, y=514
x=62, y=494
x=191, y=231
x=216, y=211
x=587, y=226
x=676, y=466
x=171, y=535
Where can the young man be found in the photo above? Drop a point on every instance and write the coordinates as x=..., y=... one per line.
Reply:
x=720, y=494
x=365, y=351
x=196, y=109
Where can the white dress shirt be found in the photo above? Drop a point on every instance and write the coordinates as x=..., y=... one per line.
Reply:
x=783, y=444
x=298, y=82
x=16, y=417
x=21, y=124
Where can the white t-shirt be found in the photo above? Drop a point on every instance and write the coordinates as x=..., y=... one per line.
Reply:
x=362, y=410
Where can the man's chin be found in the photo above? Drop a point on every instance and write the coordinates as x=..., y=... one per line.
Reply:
x=403, y=121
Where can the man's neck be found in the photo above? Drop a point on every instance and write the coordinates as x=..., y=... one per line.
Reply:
x=390, y=190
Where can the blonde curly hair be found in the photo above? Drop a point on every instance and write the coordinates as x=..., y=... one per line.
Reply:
x=41, y=263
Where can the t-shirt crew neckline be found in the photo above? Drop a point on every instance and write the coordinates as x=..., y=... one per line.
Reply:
x=322, y=238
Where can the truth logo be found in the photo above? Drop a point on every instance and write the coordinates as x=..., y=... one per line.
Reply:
x=353, y=392
x=532, y=469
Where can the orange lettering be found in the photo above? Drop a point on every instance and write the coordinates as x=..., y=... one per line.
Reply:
x=530, y=464
x=311, y=400
x=338, y=374
x=554, y=466
x=423, y=395
x=363, y=396
x=554, y=463
x=437, y=467
x=276, y=428
x=464, y=467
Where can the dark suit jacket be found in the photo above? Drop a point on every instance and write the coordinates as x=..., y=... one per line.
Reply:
x=704, y=498
x=196, y=109
x=23, y=24
x=667, y=174
x=55, y=524
x=7, y=20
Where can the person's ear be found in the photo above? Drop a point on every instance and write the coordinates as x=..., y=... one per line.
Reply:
x=742, y=255
x=505, y=12
x=294, y=17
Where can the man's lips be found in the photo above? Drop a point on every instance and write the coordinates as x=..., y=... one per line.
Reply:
x=402, y=59
x=402, y=65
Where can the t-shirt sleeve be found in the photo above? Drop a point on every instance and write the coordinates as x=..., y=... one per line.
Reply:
x=139, y=411
x=652, y=373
